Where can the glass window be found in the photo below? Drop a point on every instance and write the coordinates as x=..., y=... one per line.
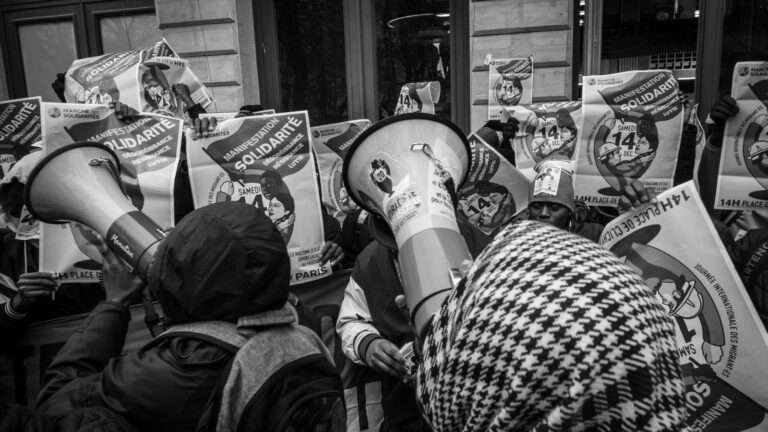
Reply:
x=310, y=35
x=642, y=34
x=123, y=33
x=46, y=49
x=744, y=37
x=412, y=42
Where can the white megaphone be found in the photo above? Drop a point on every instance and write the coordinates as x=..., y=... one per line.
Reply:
x=407, y=169
x=80, y=183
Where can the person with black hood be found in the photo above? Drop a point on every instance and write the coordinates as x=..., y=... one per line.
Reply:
x=222, y=262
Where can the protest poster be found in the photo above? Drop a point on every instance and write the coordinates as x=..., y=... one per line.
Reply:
x=148, y=147
x=265, y=161
x=331, y=143
x=631, y=128
x=418, y=97
x=229, y=115
x=154, y=80
x=721, y=342
x=494, y=190
x=742, y=183
x=19, y=129
x=510, y=83
x=545, y=131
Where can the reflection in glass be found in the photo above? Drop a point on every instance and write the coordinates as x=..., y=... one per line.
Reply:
x=660, y=34
x=123, y=33
x=745, y=37
x=310, y=34
x=412, y=41
x=46, y=49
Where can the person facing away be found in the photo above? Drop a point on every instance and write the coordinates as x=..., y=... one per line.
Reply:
x=224, y=262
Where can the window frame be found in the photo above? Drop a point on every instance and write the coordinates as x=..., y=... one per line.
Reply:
x=360, y=58
x=710, y=34
x=83, y=14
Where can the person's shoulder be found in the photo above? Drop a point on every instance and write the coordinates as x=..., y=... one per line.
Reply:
x=185, y=351
x=589, y=230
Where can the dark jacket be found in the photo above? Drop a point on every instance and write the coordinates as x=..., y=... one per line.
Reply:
x=162, y=387
x=750, y=257
x=221, y=262
x=376, y=275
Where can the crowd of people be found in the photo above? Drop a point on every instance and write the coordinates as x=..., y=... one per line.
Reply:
x=227, y=264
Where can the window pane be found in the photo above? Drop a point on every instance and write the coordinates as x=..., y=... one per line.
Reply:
x=310, y=35
x=660, y=34
x=412, y=40
x=46, y=49
x=744, y=36
x=123, y=33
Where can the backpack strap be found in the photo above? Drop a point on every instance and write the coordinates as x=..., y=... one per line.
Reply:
x=220, y=333
x=224, y=335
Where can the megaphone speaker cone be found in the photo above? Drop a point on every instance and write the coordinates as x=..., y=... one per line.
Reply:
x=407, y=169
x=80, y=183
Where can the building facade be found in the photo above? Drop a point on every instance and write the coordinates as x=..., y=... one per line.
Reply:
x=348, y=58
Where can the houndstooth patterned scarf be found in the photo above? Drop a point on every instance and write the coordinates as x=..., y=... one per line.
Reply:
x=550, y=332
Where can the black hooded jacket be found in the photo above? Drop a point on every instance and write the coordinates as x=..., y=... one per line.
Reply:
x=166, y=385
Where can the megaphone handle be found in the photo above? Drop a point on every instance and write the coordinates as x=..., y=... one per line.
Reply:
x=113, y=170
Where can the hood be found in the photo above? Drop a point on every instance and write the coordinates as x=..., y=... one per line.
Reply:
x=221, y=262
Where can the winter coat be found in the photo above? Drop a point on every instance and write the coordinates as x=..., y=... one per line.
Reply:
x=162, y=387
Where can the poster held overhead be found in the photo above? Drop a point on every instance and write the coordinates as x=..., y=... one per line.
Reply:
x=494, y=191
x=331, y=143
x=631, y=128
x=418, y=97
x=545, y=131
x=721, y=340
x=510, y=83
x=742, y=182
x=265, y=161
x=19, y=129
x=154, y=79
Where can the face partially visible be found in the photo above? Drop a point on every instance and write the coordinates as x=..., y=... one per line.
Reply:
x=276, y=209
x=762, y=161
x=551, y=213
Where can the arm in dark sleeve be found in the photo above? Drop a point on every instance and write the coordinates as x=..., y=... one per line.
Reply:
x=331, y=226
x=710, y=163
x=10, y=320
x=99, y=338
x=687, y=155
x=195, y=110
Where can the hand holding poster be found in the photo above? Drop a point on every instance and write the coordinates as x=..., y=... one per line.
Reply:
x=418, y=97
x=265, y=161
x=743, y=178
x=19, y=129
x=494, y=191
x=722, y=345
x=631, y=128
x=510, y=83
x=331, y=143
x=148, y=149
x=545, y=130
x=152, y=80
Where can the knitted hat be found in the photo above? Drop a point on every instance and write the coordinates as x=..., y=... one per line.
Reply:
x=553, y=183
x=549, y=331
x=221, y=262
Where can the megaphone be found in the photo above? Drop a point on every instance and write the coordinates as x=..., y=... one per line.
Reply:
x=80, y=183
x=407, y=170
